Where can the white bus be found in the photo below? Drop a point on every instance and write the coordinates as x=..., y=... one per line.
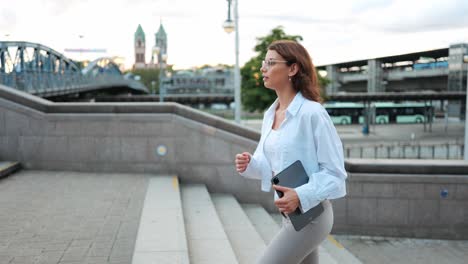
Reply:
x=385, y=112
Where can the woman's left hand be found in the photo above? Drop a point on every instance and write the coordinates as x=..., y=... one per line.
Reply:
x=289, y=202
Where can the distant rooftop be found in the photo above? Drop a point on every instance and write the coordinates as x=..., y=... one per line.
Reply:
x=436, y=53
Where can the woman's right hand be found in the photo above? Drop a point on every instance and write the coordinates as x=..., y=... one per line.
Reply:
x=242, y=161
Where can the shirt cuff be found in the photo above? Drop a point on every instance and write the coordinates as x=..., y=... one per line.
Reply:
x=250, y=170
x=307, y=200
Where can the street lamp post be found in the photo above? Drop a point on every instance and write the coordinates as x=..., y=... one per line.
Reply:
x=153, y=87
x=156, y=51
x=81, y=48
x=465, y=154
x=161, y=60
x=162, y=66
x=229, y=26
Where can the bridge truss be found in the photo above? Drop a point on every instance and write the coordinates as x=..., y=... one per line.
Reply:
x=42, y=71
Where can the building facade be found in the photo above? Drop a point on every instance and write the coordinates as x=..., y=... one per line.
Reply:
x=434, y=70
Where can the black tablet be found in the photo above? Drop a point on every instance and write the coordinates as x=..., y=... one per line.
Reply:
x=294, y=176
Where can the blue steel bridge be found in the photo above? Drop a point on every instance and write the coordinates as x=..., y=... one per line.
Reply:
x=44, y=72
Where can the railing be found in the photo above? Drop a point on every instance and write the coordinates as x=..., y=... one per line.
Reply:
x=400, y=74
x=43, y=83
x=395, y=74
x=406, y=150
x=353, y=77
x=42, y=71
x=195, y=85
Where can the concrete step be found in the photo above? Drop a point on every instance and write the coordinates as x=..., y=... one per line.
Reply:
x=207, y=240
x=161, y=235
x=8, y=167
x=339, y=252
x=277, y=217
x=266, y=226
x=246, y=242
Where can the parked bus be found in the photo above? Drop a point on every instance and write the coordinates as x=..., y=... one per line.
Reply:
x=345, y=113
x=385, y=112
x=402, y=113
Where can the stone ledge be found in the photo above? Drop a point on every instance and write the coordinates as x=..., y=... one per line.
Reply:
x=46, y=106
x=407, y=178
x=407, y=166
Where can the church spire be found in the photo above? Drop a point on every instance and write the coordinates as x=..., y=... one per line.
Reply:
x=161, y=39
x=140, y=48
x=140, y=33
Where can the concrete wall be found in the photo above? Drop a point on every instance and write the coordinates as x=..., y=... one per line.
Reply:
x=385, y=198
x=375, y=76
x=354, y=87
x=128, y=142
x=412, y=198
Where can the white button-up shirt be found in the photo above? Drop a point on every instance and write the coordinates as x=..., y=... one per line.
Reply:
x=306, y=134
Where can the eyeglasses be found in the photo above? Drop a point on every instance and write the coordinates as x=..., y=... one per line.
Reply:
x=269, y=63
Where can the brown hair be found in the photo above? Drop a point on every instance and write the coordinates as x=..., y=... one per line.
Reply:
x=305, y=80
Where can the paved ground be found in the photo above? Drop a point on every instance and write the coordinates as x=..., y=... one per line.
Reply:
x=68, y=217
x=404, y=250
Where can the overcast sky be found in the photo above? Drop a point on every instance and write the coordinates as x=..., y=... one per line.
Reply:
x=333, y=30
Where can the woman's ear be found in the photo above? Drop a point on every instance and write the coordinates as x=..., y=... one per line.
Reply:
x=293, y=69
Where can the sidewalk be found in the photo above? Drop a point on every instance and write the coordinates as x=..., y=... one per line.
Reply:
x=393, y=132
x=395, y=250
x=69, y=217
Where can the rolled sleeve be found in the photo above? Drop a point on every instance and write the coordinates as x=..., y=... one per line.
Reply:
x=312, y=193
x=329, y=181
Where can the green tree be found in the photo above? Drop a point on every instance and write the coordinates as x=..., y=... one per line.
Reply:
x=254, y=95
x=147, y=76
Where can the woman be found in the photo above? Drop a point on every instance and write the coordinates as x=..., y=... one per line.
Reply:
x=296, y=127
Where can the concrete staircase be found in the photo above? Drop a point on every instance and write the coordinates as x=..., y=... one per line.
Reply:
x=187, y=224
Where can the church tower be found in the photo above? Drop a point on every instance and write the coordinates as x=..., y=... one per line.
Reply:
x=140, y=48
x=161, y=41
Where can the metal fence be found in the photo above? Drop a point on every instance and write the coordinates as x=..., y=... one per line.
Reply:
x=406, y=150
x=220, y=84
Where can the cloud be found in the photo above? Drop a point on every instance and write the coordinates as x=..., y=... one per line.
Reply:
x=7, y=22
x=411, y=17
x=305, y=19
x=359, y=6
x=334, y=30
x=58, y=7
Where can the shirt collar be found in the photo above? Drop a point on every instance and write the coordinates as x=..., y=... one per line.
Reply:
x=271, y=110
x=296, y=104
x=293, y=107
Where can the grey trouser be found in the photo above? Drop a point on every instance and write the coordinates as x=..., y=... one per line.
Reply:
x=292, y=247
